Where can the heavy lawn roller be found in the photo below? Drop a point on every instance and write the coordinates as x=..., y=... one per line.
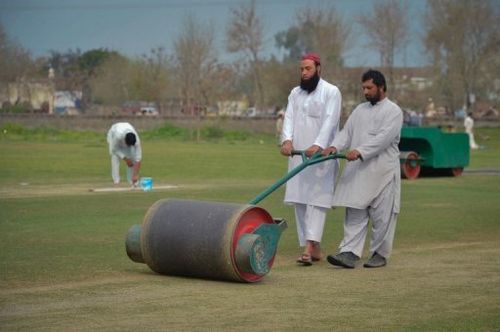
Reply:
x=214, y=240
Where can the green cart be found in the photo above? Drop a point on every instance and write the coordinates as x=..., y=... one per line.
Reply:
x=429, y=150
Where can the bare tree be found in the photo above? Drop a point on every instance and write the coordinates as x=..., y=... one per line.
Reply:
x=245, y=34
x=155, y=71
x=15, y=62
x=111, y=84
x=463, y=39
x=279, y=79
x=118, y=79
x=387, y=29
x=195, y=63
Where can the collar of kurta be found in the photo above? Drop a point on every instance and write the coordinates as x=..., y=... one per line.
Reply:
x=380, y=102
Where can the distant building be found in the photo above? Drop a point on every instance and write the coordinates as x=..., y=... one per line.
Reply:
x=232, y=107
x=420, y=83
x=67, y=102
x=33, y=95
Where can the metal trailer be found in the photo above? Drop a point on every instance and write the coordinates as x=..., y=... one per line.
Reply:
x=429, y=150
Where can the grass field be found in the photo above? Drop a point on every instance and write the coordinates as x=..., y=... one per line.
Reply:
x=63, y=265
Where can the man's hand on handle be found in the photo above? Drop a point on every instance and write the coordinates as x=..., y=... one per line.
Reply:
x=350, y=156
x=286, y=148
x=353, y=155
x=312, y=150
x=329, y=150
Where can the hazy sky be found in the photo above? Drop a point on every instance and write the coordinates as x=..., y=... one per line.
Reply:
x=134, y=27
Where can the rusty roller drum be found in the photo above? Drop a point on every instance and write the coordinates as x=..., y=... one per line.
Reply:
x=211, y=240
x=214, y=240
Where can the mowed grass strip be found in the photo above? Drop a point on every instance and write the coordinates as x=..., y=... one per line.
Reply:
x=63, y=264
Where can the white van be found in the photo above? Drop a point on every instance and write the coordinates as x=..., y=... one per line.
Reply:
x=148, y=111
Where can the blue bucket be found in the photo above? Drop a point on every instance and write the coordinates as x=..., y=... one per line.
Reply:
x=147, y=184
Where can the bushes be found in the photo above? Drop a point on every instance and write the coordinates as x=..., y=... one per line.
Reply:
x=19, y=108
x=168, y=131
x=13, y=131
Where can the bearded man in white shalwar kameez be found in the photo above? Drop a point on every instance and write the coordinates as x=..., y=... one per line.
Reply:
x=311, y=122
x=370, y=185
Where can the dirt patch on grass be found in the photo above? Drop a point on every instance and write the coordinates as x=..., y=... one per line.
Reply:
x=25, y=190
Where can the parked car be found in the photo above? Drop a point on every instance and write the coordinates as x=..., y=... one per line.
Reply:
x=148, y=111
x=250, y=112
x=139, y=108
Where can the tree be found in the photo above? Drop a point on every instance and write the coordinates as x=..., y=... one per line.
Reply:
x=112, y=81
x=279, y=78
x=155, y=70
x=463, y=39
x=195, y=63
x=92, y=59
x=15, y=62
x=88, y=62
x=319, y=30
x=16, y=68
x=387, y=29
x=118, y=79
x=74, y=70
x=66, y=66
x=245, y=34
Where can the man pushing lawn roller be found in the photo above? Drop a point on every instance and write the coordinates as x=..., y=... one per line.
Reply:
x=370, y=185
x=311, y=121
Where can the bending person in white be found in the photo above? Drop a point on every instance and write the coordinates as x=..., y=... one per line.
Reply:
x=370, y=185
x=124, y=144
x=311, y=121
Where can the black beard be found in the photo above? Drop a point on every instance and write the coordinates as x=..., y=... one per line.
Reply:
x=310, y=84
x=375, y=99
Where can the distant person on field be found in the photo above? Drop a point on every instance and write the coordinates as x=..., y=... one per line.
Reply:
x=430, y=109
x=469, y=129
x=370, y=185
x=311, y=121
x=124, y=144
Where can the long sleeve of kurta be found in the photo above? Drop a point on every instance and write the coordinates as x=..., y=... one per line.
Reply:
x=287, y=131
x=343, y=138
x=312, y=119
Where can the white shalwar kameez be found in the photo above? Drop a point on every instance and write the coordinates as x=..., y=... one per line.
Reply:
x=469, y=125
x=370, y=188
x=311, y=119
x=118, y=149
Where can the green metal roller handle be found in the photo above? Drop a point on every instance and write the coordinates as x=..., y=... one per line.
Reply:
x=306, y=161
